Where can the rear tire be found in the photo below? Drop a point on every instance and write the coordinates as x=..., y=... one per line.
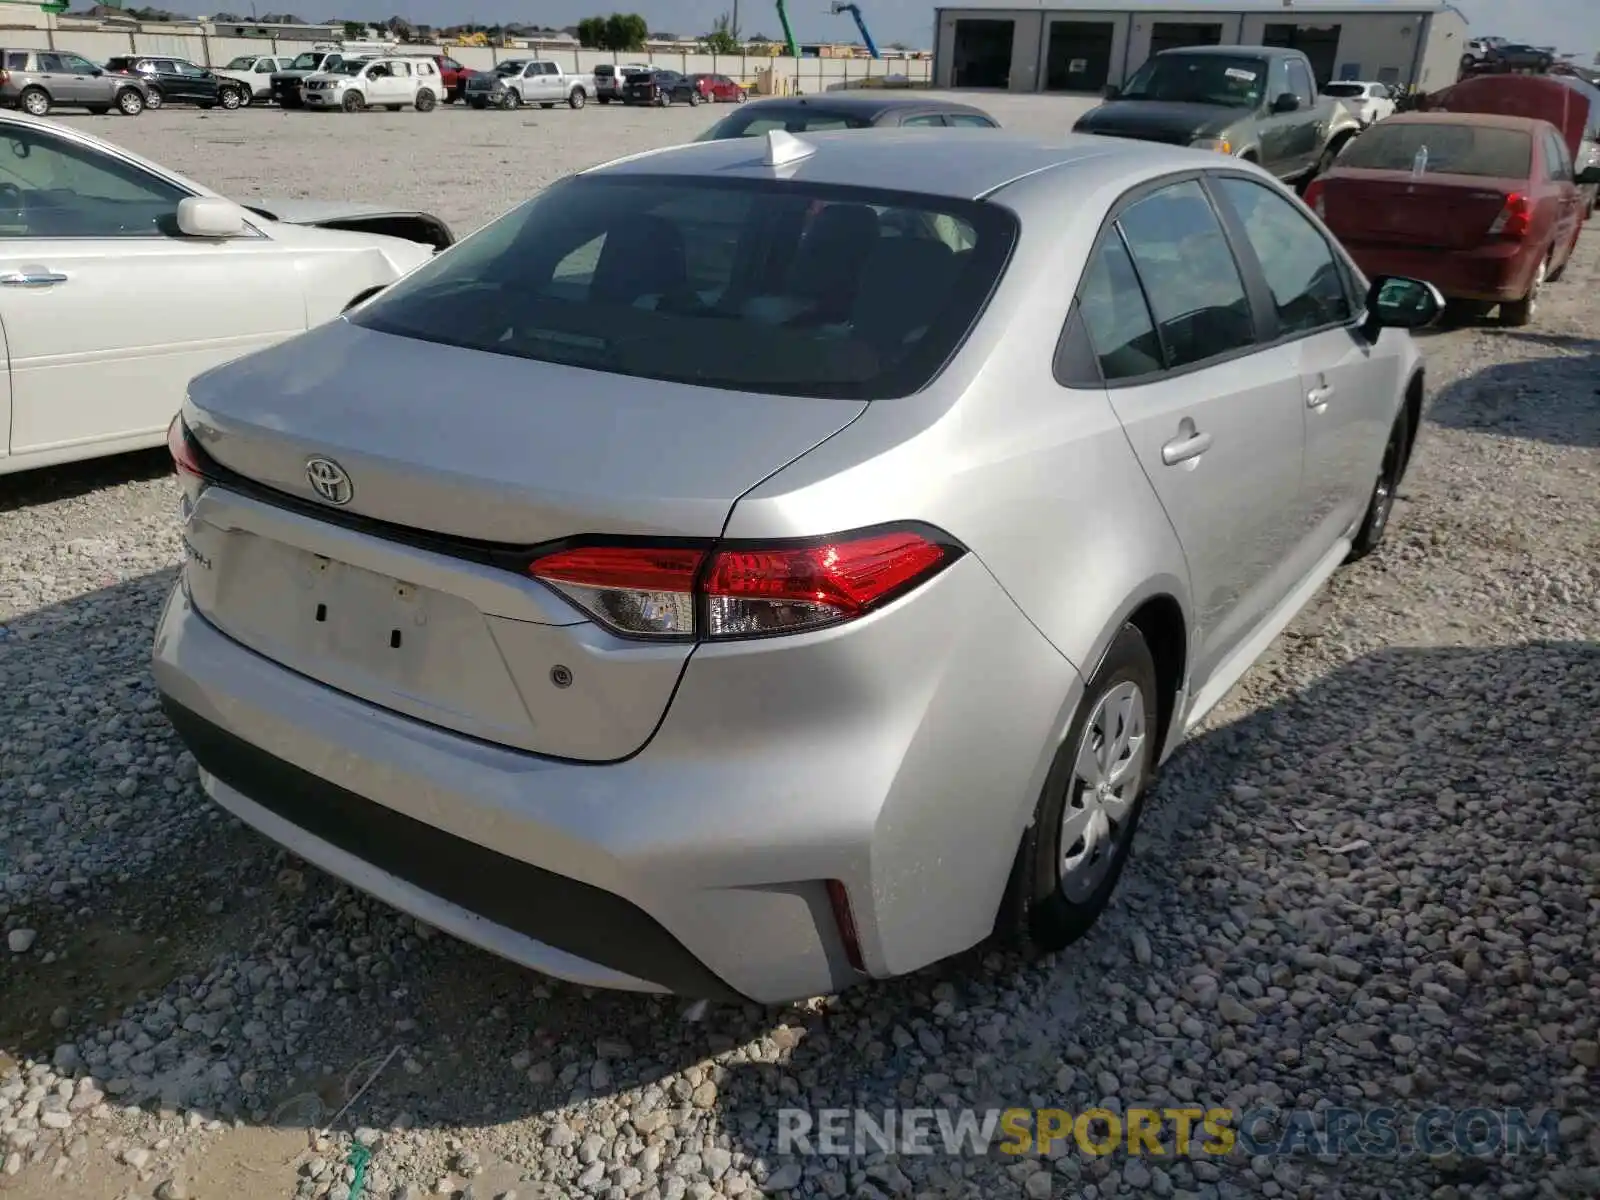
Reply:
x=605, y=99
x=1517, y=313
x=577, y=99
x=478, y=103
x=425, y=100
x=1380, y=506
x=1057, y=890
x=34, y=101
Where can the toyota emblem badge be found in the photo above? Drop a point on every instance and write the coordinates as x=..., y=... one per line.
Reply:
x=328, y=480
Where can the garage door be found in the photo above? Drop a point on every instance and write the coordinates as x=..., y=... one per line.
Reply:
x=1175, y=35
x=981, y=54
x=1078, y=57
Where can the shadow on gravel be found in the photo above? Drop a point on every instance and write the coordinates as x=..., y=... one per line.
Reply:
x=68, y=482
x=1544, y=399
x=1284, y=864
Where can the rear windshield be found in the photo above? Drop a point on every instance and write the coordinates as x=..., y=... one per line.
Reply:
x=754, y=122
x=1450, y=150
x=748, y=285
x=1345, y=89
x=604, y=69
x=118, y=64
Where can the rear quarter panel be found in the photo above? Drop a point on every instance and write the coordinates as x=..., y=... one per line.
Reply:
x=1039, y=481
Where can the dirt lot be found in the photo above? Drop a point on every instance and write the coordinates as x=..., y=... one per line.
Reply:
x=1373, y=879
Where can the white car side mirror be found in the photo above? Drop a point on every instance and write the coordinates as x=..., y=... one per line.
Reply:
x=210, y=217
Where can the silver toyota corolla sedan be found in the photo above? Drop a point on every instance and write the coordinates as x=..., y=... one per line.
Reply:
x=761, y=565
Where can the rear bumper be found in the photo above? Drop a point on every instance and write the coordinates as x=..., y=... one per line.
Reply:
x=901, y=756
x=1501, y=271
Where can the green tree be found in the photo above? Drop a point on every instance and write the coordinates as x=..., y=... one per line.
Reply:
x=591, y=33
x=626, y=31
x=354, y=30
x=723, y=38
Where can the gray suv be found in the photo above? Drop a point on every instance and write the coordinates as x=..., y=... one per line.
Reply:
x=38, y=80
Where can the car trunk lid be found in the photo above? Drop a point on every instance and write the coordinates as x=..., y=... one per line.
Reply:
x=403, y=585
x=1441, y=212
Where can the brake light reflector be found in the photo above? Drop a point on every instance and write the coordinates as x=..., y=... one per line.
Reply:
x=1314, y=200
x=738, y=591
x=845, y=919
x=1515, y=218
x=184, y=460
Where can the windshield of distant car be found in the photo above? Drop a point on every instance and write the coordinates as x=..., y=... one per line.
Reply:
x=1484, y=150
x=1199, y=79
x=306, y=62
x=349, y=67
x=243, y=63
x=510, y=66
x=751, y=285
x=758, y=119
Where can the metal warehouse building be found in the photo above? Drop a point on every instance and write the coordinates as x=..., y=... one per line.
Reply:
x=1068, y=46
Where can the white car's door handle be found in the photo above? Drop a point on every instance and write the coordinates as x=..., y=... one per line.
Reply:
x=1320, y=395
x=32, y=278
x=1188, y=444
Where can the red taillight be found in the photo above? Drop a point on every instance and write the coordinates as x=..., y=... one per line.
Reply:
x=845, y=919
x=742, y=591
x=1515, y=218
x=1314, y=200
x=184, y=458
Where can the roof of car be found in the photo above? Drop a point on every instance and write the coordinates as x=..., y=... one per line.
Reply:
x=1235, y=50
x=865, y=103
x=958, y=163
x=1446, y=117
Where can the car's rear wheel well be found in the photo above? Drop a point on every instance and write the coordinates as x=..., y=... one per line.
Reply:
x=1160, y=622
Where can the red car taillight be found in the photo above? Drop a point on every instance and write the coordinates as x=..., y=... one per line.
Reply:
x=1314, y=200
x=739, y=591
x=184, y=459
x=1515, y=218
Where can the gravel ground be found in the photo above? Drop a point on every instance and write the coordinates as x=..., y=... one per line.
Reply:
x=1372, y=879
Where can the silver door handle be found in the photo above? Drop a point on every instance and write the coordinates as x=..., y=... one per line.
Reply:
x=1318, y=396
x=32, y=278
x=1184, y=447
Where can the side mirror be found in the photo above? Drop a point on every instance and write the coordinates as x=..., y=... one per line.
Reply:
x=209, y=217
x=1587, y=176
x=1288, y=102
x=1396, y=302
x=1112, y=91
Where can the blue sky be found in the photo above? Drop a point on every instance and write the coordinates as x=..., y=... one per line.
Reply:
x=1565, y=24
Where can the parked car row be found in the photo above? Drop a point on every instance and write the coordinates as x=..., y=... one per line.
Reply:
x=1485, y=200
x=37, y=81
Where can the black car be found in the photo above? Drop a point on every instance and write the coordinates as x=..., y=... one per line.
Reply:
x=866, y=110
x=1514, y=56
x=659, y=87
x=483, y=90
x=179, y=81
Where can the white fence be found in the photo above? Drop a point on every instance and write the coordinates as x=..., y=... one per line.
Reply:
x=809, y=75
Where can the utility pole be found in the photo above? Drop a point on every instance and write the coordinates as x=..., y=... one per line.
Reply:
x=733, y=27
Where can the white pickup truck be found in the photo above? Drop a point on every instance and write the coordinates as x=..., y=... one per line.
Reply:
x=542, y=82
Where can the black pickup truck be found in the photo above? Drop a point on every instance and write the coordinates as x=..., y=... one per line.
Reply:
x=1254, y=102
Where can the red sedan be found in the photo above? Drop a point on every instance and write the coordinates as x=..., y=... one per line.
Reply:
x=1485, y=208
x=718, y=89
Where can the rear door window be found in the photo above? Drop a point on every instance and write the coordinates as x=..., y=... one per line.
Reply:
x=1188, y=272
x=1114, y=311
x=1557, y=161
x=757, y=286
x=969, y=119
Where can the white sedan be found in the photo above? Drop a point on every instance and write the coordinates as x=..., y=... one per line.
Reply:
x=120, y=281
x=1369, y=101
